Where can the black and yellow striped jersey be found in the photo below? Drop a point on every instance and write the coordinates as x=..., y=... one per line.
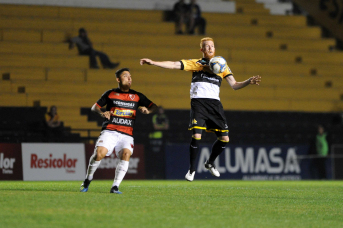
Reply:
x=205, y=84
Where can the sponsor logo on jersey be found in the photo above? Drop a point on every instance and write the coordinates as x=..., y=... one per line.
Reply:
x=124, y=104
x=123, y=113
x=209, y=78
x=132, y=96
x=122, y=121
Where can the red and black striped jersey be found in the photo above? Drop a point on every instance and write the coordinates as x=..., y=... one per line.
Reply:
x=124, y=106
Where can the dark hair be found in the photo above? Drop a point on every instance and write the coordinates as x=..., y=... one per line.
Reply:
x=118, y=72
x=82, y=30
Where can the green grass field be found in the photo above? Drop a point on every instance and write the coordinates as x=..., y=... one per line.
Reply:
x=172, y=204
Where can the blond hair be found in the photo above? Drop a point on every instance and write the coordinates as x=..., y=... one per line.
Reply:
x=205, y=39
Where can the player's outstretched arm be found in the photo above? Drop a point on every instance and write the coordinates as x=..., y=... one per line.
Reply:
x=254, y=80
x=164, y=64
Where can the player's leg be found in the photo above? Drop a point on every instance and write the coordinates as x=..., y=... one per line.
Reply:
x=193, y=153
x=217, y=123
x=125, y=150
x=94, y=162
x=196, y=124
x=104, y=146
x=217, y=148
x=121, y=169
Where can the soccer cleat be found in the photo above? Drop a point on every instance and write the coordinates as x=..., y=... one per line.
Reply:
x=189, y=176
x=85, y=185
x=115, y=190
x=212, y=169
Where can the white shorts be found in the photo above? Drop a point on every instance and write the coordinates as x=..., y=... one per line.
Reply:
x=114, y=141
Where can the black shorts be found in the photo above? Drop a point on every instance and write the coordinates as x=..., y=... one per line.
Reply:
x=208, y=114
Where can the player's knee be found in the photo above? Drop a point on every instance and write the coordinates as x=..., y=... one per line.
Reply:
x=125, y=155
x=100, y=153
x=224, y=139
x=196, y=136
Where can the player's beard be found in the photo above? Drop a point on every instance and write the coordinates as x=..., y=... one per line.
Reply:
x=125, y=87
x=209, y=55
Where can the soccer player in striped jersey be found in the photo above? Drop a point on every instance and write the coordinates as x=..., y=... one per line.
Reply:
x=206, y=109
x=121, y=106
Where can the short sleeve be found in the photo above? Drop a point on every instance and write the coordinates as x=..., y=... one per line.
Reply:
x=227, y=72
x=191, y=65
x=144, y=101
x=103, y=99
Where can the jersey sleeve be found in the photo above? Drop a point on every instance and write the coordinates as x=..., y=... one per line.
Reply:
x=191, y=65
x=227, y=72
x=144, y=101
x=103, y=99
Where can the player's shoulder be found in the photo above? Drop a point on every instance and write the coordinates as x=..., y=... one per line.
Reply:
x=132, y=91
x=195, y=64
x=108, y=92
x=192, y=60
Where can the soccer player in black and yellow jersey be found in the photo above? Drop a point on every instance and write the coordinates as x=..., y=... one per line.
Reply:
x=206, y=109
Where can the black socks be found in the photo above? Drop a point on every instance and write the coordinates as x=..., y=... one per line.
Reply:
x=217, y=148
x=193, y=152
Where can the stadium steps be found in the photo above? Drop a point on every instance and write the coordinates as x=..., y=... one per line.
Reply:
x=162, y=53
x=75, y=13
x=103, y=42
x=178, y=101
x=36, y=48
x=256, y=20
x=285, y=105
x=22, y=60
x=250, y=7
x=159, y=28
x=13, y=99
x=67, y=15
x=61, y=72
x=155, y=75
x=61, y=91
x=317, y=58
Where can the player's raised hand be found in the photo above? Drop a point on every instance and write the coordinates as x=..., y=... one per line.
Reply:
x=107, y=114
x=143, y=110
x=145, y=61
x=255, y=80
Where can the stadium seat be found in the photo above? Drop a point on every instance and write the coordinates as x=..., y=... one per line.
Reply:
x=298, y=71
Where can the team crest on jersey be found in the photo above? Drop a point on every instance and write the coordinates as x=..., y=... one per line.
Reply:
x=132, y=96
x=123, y=113
x=194, y=121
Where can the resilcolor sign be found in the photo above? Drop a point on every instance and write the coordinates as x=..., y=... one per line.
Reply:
x=53, y=161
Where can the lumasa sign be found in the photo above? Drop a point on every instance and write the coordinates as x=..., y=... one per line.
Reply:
x=248, y=162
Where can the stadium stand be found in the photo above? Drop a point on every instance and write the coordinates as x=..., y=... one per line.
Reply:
x=299, y=72
x=27, y=124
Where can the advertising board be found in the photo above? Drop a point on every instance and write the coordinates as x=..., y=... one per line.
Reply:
x=53, y=161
